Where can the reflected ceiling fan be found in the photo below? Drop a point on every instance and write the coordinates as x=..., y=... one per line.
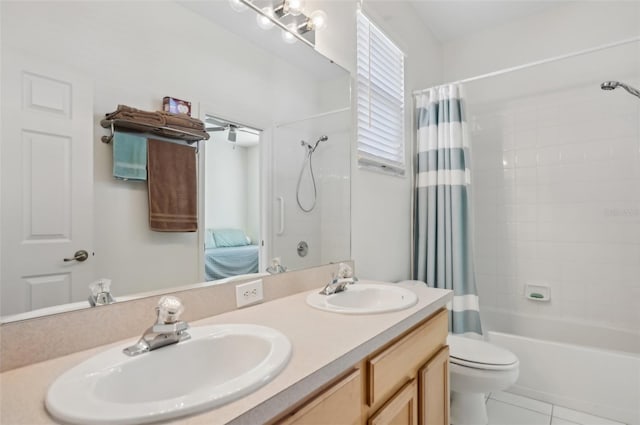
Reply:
x=227, y=126
x=232, y=131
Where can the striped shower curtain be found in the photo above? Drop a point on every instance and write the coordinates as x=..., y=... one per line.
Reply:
x=443, y=255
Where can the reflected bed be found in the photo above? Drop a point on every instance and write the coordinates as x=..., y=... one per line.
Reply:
x=230, y=261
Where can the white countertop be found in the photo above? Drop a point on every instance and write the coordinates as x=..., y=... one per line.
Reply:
x=324, y=346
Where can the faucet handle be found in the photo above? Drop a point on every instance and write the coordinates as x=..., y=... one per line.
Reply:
x=100, y=293
x=100, y=286
x=169, y=309
x=344, y=271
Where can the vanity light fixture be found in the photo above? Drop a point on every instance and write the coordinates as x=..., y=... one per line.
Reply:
x=292, y=7
x=288, y=15
x=288, y=34
x=238, y=5
x=265, y=21
x=318, y=19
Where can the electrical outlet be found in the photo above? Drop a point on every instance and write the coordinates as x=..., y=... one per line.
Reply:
x=249, y=293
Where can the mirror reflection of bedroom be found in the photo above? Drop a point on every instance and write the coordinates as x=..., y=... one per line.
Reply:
x=231, y=199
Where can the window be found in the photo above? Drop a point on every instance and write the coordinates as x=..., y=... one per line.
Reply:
x=380, y=94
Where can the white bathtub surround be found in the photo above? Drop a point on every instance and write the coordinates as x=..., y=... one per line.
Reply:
x=508, y=414
x=556, y=171
x=510, y=409
x=593, y=380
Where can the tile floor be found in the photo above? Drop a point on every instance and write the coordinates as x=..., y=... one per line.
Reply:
x=510, y=409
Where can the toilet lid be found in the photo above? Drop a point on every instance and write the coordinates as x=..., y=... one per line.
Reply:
x=479, y=354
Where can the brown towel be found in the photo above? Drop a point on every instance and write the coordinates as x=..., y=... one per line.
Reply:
x=172, y=183
x=125, y=112
x=168, y=131
x=182, y=120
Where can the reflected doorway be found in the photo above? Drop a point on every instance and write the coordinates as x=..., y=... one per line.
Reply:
x=231, y=197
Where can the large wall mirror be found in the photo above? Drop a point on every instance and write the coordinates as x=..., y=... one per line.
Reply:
x=276, y=166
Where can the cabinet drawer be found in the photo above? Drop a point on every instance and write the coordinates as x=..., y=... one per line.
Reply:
x=340, y=404
x=391, y=368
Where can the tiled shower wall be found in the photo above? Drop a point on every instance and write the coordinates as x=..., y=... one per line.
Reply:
x=556, y=189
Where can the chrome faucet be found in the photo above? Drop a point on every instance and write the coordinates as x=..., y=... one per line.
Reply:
x=340, y=280
x=166, y=331
x=100, y=293
x=276, y=267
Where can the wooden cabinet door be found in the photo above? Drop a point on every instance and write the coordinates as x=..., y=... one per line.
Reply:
x=433, y=390
x=401, y=409
x=340, y=404
x=400, y=362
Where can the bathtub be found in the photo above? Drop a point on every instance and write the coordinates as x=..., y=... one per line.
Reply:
x=582, y=367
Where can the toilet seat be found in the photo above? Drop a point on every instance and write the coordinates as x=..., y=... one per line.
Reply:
x=479, y=354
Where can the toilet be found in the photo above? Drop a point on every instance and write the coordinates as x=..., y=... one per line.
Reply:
x=476, y=368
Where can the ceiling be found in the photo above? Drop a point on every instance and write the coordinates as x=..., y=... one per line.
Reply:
x=451, y=19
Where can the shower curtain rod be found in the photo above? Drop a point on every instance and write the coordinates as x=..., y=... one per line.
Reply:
x=535, y=63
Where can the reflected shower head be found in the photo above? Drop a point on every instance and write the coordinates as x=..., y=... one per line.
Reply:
x=313, y=148
x=321, y=139
x=611, y=85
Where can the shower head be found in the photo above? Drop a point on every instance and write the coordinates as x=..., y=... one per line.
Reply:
x=313, y=148
x=321, y=139
x=611, y=85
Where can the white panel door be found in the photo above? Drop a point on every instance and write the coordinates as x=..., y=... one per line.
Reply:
x=47, y=184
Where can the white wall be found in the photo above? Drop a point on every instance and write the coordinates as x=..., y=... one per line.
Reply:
x=381, y=204
x=226, y=184
x=253, y=194
x=570, y=27
x=556, y=164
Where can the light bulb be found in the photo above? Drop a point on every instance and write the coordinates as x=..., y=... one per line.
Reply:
x=263, y=21
x=319, y=19
x=238, y=6
x=295, y=7
x=287, y=36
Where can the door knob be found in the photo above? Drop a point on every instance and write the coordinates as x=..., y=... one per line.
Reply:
x=79, y=256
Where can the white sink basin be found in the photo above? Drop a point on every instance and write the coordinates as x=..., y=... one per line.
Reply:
x=219, y=364
x=365, y=298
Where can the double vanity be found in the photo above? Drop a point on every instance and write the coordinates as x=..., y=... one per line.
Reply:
x=375, y=353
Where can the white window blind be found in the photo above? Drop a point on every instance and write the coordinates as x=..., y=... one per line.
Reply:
x=380, y=81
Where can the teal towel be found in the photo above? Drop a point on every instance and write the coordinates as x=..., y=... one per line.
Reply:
x=129, y=156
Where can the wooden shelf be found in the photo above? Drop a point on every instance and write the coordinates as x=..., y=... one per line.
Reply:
x=164, y=131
